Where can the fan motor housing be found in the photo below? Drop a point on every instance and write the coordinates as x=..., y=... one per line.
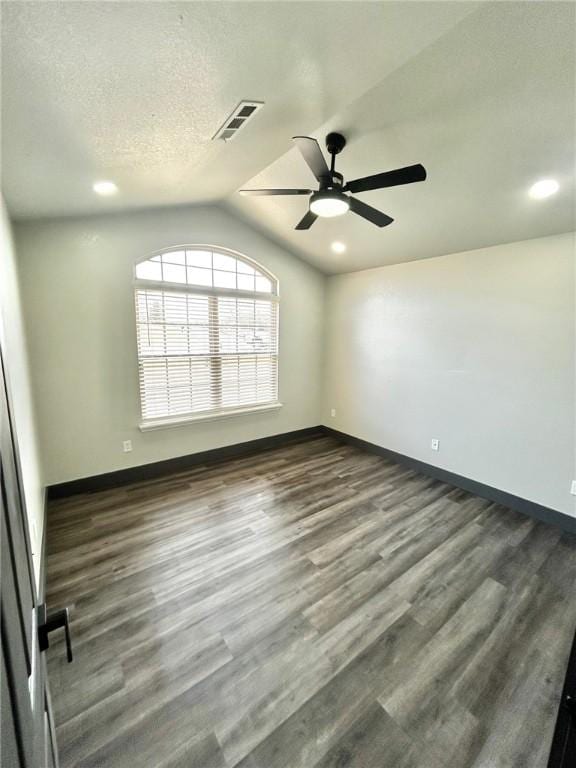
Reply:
x=334, y=181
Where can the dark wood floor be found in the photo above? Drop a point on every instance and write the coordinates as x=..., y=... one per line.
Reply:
x=315, y=606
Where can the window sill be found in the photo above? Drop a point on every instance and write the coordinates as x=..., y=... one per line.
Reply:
x=182, y=421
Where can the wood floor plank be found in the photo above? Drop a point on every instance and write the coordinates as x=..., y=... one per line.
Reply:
x=375, y=740
x=307, y=735
x=314, y=606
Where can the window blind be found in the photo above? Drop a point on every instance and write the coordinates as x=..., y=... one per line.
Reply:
x=203, y=352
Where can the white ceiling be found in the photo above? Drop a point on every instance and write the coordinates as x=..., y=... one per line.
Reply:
x=481, y=93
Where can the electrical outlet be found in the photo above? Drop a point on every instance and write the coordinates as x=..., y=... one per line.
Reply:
x=435, y=444
x=333, y=412
x=127, y=446
x=573, y=488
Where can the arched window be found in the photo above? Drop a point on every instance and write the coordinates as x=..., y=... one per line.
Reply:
x=207, y=329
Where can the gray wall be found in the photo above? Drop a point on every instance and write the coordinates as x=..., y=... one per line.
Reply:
x=16, y=362
x=476, y=349
x=77, y=283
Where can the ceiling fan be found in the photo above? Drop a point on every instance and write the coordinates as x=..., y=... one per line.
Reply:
x=331, y=198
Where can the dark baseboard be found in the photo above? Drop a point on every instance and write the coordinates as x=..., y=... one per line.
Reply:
x=530, y=508
x=180, y=463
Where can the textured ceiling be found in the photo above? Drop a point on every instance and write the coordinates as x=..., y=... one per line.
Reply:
x=481, y=93
x=135, y=91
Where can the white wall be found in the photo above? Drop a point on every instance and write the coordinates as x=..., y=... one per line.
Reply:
x=16, y=363
x=476, y=349
x=77, y=282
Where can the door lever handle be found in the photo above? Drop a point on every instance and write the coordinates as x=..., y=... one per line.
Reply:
x=48, y=622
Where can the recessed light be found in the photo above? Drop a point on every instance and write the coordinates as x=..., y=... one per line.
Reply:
x=338, y=247
x=544, y=188
x=105, y=188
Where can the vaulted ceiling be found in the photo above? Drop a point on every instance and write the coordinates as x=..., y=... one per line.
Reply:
x=481, y=93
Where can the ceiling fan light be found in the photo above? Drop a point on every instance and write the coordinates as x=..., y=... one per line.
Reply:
x=329, y=204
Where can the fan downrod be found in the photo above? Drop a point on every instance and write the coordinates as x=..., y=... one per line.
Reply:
x=335, y=143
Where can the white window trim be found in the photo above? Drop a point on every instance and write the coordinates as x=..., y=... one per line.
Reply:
x=181, y=421
x=170, y=422
x=201, y=290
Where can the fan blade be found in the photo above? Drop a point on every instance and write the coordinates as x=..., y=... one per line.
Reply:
x=312, y=153
x=275, y=191
x=307, y=221
x=407, y=175
x=367, y=212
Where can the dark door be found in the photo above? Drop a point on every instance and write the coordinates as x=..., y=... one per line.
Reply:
x=563, y=752
x=27, y=725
